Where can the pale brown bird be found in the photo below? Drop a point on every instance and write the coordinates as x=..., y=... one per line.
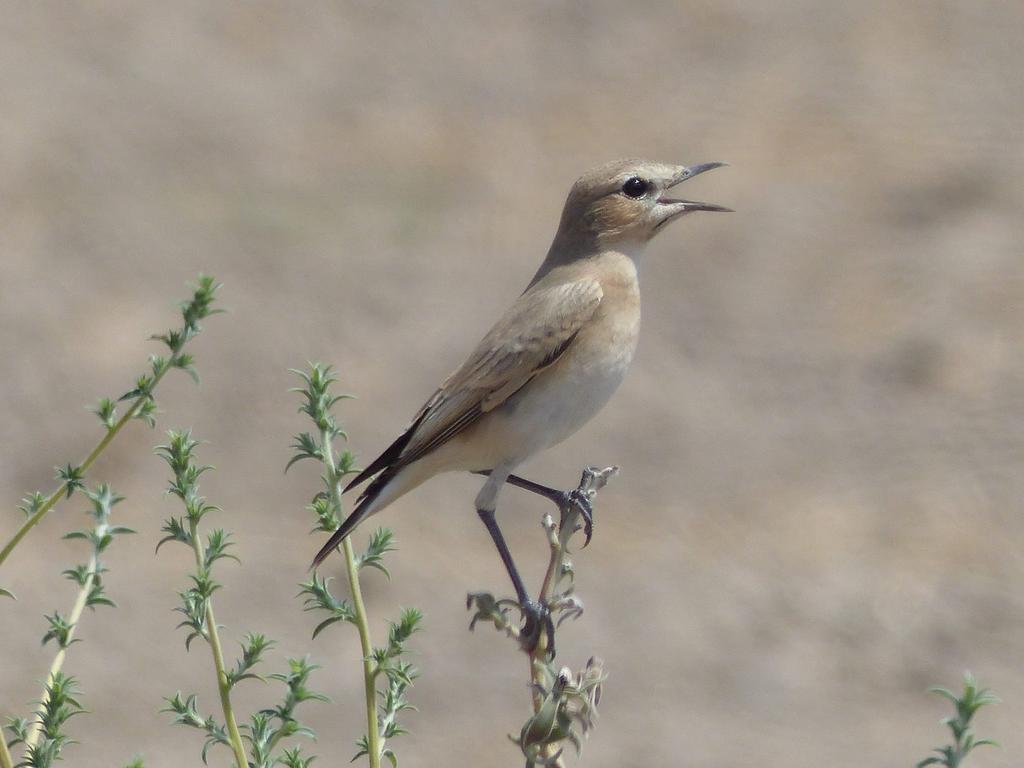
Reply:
x=553, y=359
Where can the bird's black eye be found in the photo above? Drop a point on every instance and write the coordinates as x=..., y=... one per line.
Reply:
x=635, y=187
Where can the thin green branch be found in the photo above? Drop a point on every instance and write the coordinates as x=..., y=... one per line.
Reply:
x=143, y=406
x=213, y=636
x=67, y=485
x=362, y=621
x=965, y=741
x=558, y=539
x=5, y=755
x=90, y=594
x=81, y=601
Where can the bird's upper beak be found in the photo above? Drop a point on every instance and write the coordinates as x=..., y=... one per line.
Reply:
x=686, y=206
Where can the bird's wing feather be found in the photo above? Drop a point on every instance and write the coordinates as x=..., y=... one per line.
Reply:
x=534, y=332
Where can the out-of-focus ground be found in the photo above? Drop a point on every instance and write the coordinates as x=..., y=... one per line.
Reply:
x=820, y=510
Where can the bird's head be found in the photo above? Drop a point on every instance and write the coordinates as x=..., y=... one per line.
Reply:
x=627, y=203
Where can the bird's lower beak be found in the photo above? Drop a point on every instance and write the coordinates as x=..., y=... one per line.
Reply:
x=686, y=206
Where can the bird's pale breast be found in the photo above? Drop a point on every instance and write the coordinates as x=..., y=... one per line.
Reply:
x=566, y=395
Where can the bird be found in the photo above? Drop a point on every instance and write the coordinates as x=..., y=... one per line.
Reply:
x=552, y=360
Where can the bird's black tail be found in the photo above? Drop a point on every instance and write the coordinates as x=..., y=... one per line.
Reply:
x=362, y=509
x=385, y=467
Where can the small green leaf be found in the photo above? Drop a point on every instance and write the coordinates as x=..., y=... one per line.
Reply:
x=381, y=542
x=147, y=412
x=966, y=705
x=306, y=447
x=80, y=573
x=60, y=630
x=106, y=411
x=72, y=478
x=32, y=503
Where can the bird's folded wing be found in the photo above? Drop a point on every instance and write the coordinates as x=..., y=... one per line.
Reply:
x=531, y=335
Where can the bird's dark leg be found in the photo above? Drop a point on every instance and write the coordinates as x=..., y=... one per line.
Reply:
x=536, y=614
x=561, y=499
x=491, y=523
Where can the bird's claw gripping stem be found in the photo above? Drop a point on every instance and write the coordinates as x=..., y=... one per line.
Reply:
x=536, y=616
x=580, y=502
x=536, y=620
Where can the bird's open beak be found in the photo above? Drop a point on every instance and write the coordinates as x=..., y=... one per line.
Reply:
x=686, y=206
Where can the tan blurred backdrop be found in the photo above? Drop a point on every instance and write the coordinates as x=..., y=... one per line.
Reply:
x=822, y=439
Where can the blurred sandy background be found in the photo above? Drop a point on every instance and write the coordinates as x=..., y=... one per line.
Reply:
x=822, y=440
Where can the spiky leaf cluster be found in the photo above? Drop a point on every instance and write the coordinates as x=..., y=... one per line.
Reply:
x=567, y=713
x=186, y=713
x=100, y=536
x=106, y=411
x=253, y=646
x=317, y=597
x=966, y=705
x=381, y=542
x=266, y=727
x=194, y=606
x=179, y=453
x=194, y=310
x=60, y=703
x=72, y=476
x=387, y=662
x=293, y=758
x=32, y=503
x=43, y=739
x=318, y=402
x=60, y=630
x=316, y=592
x=42, y=747
x=399, y=676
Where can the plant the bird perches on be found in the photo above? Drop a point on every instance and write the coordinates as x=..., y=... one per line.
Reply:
x=564, y=703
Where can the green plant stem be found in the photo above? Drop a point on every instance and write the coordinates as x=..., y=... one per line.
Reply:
x=538, y=655
x=213, y=636
x=369, y=668
x=362, y=621
x=6, y=761
x=54, y=497
x=58, y=660
x=555, y=561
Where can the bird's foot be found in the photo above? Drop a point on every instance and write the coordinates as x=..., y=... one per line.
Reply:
x=537, y=623
x=579, y=502
x=536, y=616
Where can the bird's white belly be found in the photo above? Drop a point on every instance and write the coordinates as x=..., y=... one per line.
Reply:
x=556, y=403
x=552, y=409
